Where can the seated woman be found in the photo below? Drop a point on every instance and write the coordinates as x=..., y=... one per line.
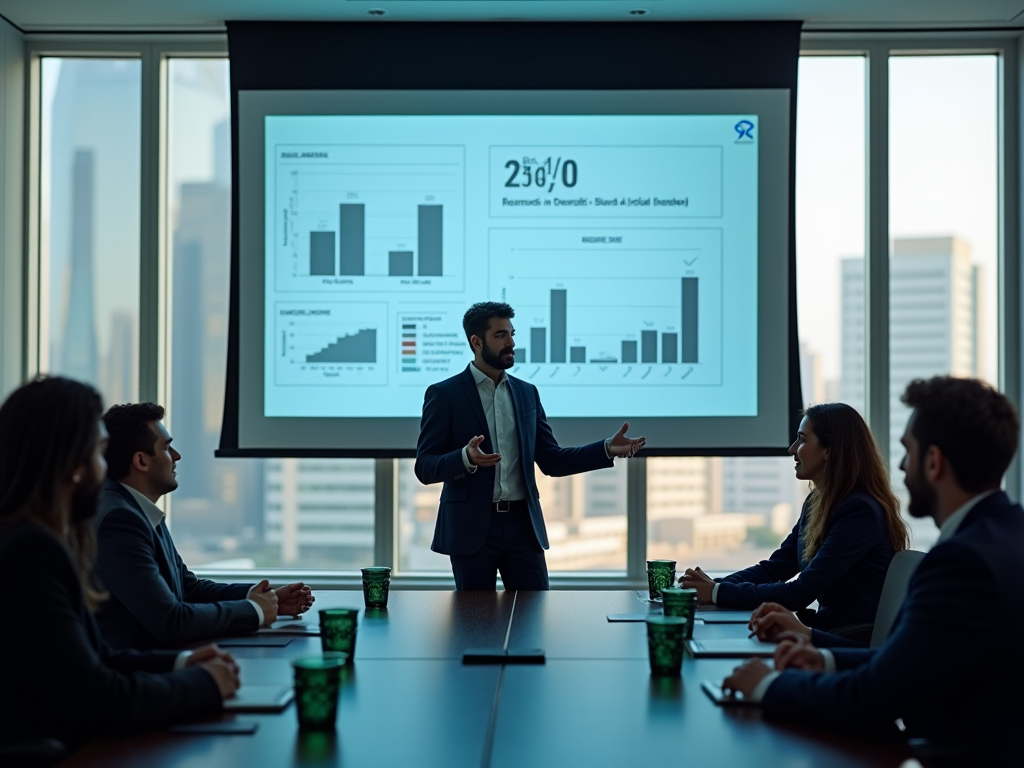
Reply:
x=59, y=680
x=839, y=550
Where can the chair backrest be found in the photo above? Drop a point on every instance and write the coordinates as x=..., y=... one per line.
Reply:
x=894, y=590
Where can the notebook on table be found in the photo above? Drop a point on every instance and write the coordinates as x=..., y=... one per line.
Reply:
x=724, y=617
x=289, y=626
x=255, y=641
x=260, y=698
x=741, y=648
x=723, y=699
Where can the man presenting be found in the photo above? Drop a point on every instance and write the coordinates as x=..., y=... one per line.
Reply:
x=481, y=432
x=949, y=668
x=155, y=601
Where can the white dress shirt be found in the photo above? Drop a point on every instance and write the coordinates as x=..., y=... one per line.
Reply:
x=155, y=515
x=496, y=400
x=946, y=532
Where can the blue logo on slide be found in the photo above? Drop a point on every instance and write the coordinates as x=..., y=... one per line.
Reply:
x=745, y=131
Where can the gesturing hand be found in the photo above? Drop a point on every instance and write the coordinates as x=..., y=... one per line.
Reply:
x=771, y=620
x=293, y=599
x=478, y=457
x=624, y=447
x=796, y=652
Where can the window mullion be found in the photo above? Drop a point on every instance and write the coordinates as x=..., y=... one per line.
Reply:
x=877, y=258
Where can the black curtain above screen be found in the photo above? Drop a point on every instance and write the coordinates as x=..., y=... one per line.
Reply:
x=505, y=55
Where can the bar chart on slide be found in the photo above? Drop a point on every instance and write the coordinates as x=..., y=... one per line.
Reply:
x=322, y=343
x=369, y=218
x=581, y=320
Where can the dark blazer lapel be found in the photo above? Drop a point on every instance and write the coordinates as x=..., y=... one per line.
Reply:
x=473, y=396
x=163, y=540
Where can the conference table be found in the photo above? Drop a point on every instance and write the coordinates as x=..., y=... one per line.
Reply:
x=409, y=701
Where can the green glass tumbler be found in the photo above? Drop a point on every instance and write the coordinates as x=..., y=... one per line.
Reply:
x=681, y=602
x=338, y=630
x=317, y=683
x=660, y=574
x=665, y=639
x=376, y=585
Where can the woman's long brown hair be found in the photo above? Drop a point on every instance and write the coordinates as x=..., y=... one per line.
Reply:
x=854, y=463
x=49, y=428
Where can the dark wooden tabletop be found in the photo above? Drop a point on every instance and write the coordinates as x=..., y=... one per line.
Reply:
x=408, y=701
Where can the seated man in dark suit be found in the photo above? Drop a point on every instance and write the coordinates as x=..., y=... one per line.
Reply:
x=949, y=668
x=155, y=600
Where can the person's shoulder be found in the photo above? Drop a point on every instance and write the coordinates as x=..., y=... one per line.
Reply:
x=116, y=506
x=27, y=544
x=523, y=385
x=860, y=502
x=995, y=522
x=451, y=382
x=27, y=533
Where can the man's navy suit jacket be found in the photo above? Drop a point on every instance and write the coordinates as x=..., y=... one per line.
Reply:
x=452, y=416
x=951, y=667
x=155, y=601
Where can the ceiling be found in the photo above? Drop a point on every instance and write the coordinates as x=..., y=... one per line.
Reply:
x=208, y=15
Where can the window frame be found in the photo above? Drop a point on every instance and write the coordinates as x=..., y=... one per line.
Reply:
x=155, y=51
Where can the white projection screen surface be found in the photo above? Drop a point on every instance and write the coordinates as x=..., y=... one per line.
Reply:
x=641, y=237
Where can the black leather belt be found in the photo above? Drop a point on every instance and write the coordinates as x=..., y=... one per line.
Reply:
x=519, y=505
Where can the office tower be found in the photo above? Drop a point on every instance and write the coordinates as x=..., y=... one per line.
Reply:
x=853, y=361
x=934, y=328
x=585, y=516
x=217, y=511
x=120, y=372
x=812, y=383
x=684, y=509
x=320, y=512
x=78, y=358
x=91, y=242
x=754, y=485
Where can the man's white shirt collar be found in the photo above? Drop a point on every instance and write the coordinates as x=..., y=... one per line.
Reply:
x=481, y=377
x=153, y=513
x=949, y=528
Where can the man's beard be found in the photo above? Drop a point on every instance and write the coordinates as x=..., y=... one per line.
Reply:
x=923, y=500
x=85, y=500
x=496, y=361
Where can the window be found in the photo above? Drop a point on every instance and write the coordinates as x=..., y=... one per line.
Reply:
x=943, y=188
x=585, y=517
x=89, y=308
x=727, y=513
x=320, y=514
x=235, y=513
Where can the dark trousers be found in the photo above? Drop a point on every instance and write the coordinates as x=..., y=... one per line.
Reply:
x=510, y=547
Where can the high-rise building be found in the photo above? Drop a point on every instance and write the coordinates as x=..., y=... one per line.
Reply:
x=218, y=510
x=78, y=351
x=91, y=249
x=935, y=328
x=320, y=512
x=120, y=369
